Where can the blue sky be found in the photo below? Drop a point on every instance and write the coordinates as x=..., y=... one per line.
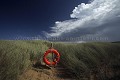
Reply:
x=28, y=18
x=95, y=20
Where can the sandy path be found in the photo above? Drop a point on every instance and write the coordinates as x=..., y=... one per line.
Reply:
x=57, y=73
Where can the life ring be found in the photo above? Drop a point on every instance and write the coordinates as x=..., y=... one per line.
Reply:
x=57, y=58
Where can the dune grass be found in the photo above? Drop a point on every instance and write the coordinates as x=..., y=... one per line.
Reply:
x=16, y=56
x=81, y=59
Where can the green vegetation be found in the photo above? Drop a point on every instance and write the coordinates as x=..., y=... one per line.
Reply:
x=16, y=56
x=90, y=58
x=83, y=60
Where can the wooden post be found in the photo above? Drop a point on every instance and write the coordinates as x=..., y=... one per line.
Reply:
x=51, y=45
x=52, y=53
x=53, y=56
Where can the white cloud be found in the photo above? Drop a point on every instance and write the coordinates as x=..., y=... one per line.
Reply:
x=98, y=16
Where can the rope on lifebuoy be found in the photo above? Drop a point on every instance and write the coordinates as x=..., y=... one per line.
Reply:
x=57, y=57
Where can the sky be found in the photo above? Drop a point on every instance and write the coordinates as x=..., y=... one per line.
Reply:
x=82, y=20
x=29, y=18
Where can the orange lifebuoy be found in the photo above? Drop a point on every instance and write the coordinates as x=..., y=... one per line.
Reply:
x=51, y=51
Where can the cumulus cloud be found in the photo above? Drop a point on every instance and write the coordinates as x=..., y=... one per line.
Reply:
x=100, y=18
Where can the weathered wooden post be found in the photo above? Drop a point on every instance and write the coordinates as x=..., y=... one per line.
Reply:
x=52, y=52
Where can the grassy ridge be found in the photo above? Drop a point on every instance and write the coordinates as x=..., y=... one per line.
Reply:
x=81, y=59
x=16, y=56
x=13, y=60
